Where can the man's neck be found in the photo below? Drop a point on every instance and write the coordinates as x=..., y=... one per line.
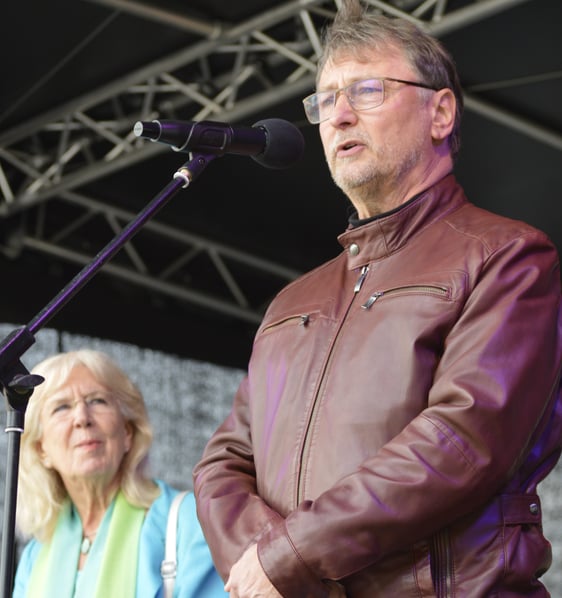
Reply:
x=382, y=197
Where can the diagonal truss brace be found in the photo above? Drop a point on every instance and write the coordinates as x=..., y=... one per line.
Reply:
x=168, y=278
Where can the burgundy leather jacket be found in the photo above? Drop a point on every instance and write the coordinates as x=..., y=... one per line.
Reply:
x=401, y=405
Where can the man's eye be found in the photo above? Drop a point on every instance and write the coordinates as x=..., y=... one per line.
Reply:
x=368, y=88
x=325, y=100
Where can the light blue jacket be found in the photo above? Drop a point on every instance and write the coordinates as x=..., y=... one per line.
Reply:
x=196, y=575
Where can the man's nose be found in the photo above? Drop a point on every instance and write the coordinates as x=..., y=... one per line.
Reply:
x=343, y=110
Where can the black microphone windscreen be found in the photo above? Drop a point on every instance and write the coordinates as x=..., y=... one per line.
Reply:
x=284, y=143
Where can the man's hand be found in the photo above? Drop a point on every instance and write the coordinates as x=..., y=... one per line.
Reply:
x=247, y=578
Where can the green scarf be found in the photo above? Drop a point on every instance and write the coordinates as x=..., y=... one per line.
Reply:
x=111, y=567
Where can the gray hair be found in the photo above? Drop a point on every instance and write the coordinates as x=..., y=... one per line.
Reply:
x=356, y=31
x=41, y=492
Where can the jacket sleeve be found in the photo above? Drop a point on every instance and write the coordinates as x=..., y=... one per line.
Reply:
x=448, y=461
x=232, y=514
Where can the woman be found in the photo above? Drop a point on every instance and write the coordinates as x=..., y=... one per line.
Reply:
x=97, y=520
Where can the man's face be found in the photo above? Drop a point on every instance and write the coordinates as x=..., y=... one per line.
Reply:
x=371, y=151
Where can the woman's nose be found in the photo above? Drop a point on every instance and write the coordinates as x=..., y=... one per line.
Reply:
x=81, y=414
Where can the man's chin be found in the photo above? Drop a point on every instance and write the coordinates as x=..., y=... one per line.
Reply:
x=352, y=183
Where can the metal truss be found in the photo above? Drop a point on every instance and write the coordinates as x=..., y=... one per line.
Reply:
x=227, y=73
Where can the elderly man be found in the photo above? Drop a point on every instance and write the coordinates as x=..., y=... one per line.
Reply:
x=402, y=400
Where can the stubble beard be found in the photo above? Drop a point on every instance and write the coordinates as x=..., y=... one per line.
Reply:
x=370, y=181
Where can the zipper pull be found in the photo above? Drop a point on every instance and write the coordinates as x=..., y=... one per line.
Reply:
x=372, y=299
x=361, y=278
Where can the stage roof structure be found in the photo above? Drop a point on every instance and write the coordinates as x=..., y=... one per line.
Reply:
x=196, y=279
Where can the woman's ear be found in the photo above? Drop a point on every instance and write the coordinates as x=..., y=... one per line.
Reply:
x=129, y=432
x=43, y=457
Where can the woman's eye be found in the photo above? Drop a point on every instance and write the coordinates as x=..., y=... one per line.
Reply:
x=97, y=401
x=60, y=407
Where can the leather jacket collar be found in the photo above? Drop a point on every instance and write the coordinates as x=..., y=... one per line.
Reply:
x=383, y=235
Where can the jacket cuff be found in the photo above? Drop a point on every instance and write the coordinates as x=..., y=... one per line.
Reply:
x=284, y=567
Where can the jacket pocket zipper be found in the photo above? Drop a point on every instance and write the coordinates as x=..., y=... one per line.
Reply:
x=296, y=320
x=414, y=288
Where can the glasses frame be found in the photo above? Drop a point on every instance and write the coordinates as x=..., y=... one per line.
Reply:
x=335, y=94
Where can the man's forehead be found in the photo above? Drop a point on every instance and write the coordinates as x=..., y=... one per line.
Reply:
x=367, y=61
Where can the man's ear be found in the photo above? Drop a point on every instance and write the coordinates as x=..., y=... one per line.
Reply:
x=444, y=110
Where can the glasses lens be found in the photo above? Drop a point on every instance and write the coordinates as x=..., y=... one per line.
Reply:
x=368, y=93
x=318, y=106
x=309, y=104
x=362, y=95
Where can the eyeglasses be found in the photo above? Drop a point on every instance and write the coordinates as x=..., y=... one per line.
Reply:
x=362, y=95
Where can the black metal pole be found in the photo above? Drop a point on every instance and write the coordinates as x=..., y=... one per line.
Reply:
x=14, y=429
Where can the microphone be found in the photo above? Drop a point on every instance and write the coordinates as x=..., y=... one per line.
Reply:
x=273, y=143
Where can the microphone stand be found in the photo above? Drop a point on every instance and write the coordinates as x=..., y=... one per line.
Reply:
x=17, y=384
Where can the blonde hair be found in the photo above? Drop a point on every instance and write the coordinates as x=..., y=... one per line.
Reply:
x=356, y=31
x=41, y=492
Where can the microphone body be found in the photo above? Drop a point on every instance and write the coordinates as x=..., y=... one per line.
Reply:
x=273, y=143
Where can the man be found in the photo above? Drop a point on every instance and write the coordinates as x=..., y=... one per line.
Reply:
x=402, y=400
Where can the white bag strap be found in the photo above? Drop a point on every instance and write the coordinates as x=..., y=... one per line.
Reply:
x=168, y=568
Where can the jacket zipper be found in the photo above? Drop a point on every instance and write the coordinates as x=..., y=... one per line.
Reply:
x=414, y=288
x=361, y=279
x=441, y=560
x=441, y=568
x=356, y=289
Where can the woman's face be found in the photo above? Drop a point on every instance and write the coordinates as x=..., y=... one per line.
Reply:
x=84, y=435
